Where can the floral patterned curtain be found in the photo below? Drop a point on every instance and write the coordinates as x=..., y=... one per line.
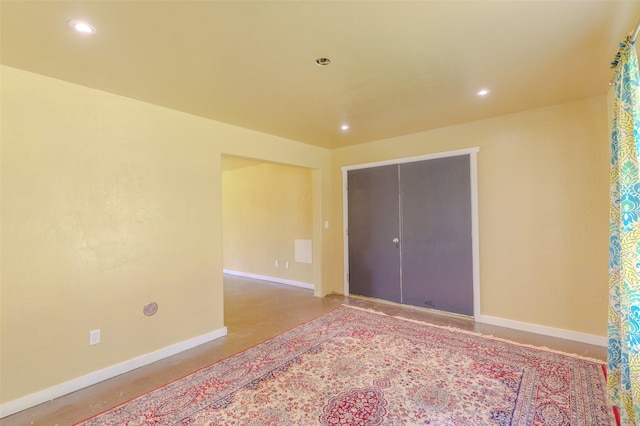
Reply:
x=623, y=363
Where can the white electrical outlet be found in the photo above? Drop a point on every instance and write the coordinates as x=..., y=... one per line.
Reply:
x=277, y=264
x=286, y=265
x=94, y=337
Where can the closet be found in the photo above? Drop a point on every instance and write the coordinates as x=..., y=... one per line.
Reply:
x=409, y=231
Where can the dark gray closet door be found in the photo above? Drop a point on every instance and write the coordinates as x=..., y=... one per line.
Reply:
x=374, y=260
x=437, y=259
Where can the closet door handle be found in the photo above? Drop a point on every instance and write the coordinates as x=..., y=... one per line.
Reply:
x=396, y=241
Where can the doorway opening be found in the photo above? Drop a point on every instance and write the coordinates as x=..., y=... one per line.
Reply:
x=267, y=221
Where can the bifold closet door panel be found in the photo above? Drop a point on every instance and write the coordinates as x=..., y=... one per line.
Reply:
x=373, y=223
x=437, y=258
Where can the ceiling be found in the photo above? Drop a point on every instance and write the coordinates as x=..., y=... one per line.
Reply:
x=397, y=67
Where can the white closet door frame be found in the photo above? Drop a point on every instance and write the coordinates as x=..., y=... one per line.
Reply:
x=473, y=167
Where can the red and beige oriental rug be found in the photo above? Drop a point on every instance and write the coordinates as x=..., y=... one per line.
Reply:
x=355, y=367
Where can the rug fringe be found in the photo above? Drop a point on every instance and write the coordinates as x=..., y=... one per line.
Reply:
x=478, y=334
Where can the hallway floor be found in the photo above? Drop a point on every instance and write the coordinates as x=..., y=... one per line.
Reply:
x=254, y=312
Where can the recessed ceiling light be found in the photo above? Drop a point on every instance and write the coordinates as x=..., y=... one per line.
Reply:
x=82, y=27
x=483, y=92
x=323, y=62
x=344, y=127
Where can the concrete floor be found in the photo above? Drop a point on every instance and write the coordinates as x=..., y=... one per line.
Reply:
x=254, y=312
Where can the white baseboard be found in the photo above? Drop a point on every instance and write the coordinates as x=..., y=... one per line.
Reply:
x=547, y=331
x=267, y=278
x=92, y=378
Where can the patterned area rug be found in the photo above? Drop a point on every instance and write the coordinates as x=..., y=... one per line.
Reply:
x=355, y=367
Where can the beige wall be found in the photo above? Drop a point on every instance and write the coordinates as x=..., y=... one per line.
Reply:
x=543, y=210
x=265, y=208
x=107, y=204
